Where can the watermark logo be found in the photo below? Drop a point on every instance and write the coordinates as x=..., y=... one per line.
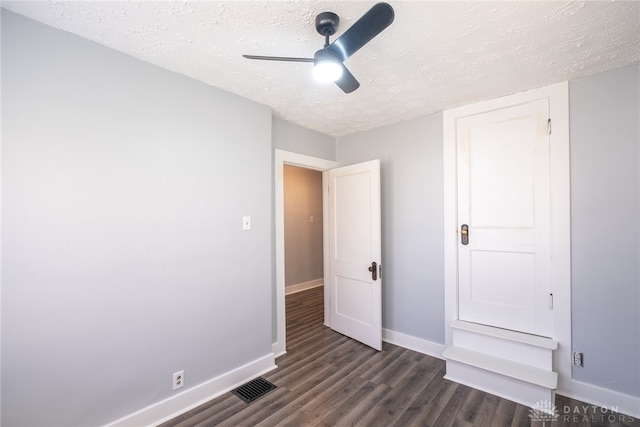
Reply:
x=544, y=411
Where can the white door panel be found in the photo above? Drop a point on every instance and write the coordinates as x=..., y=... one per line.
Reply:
x=354, y=243
x=353, y=300
x=503, y=196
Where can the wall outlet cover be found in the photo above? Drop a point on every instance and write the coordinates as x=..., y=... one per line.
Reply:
x=578, y=359
x=178, y=380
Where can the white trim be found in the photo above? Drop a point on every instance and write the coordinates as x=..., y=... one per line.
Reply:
x=275, y=347
x=325, y=245
x=178, y=404
x=558, y=95
x=560, y=164
x=522, y=392
x=304, y=286
x=505, y=334
x=450, y=223
x=505, y=367
x=625, y=404
x=420, y=345
x=526, y=353
x=280, y=159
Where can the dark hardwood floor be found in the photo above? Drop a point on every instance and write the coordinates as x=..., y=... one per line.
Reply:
x=327, y=379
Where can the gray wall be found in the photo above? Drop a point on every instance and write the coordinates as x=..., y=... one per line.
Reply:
x=291, y=137
x=412, y=221
x=302, y=238
x=605, y=215
x=123, y=255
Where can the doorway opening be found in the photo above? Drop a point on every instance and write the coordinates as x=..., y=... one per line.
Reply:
x=303, y=229
x=282, y=158
x=352, y=254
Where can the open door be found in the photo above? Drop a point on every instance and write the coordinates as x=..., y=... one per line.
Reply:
x=355, y=252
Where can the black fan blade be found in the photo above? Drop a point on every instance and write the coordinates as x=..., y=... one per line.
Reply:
x=366, y=28
x=347, y=82
x=278, y=58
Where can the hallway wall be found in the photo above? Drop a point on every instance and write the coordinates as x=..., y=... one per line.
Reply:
x=302, y=225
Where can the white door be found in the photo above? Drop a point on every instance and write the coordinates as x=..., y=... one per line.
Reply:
x=355, y=252
x=504, y=205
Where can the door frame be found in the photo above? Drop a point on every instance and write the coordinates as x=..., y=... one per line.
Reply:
x=558, y=95
x=281, y=157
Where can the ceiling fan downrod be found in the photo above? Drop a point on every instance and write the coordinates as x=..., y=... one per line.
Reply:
x=327, y=25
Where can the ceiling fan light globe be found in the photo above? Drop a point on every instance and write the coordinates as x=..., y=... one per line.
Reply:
x=327, y=71
x=326, y=66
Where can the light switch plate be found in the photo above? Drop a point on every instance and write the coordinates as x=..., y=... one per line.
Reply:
x=246, y=223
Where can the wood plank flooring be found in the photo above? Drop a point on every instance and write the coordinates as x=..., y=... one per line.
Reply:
x=327, y=379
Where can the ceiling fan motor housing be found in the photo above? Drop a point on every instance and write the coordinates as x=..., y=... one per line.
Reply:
x=327, y=23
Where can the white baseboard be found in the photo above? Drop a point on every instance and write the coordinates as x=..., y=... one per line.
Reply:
x=304, y=286
x=609, y=399
x=420, y=345
x=173, y=406
x=278, y=349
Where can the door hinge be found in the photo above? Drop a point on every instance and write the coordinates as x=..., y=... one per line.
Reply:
x=549, y=126
x=551, y=301
x=380, y=271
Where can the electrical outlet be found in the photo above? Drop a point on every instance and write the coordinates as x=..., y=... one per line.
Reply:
x=578, y=359
x=178, y=380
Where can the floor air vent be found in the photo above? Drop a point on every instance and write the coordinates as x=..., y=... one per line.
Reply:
x=253, y=389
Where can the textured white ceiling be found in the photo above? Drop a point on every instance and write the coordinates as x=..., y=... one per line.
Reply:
x=435, y=55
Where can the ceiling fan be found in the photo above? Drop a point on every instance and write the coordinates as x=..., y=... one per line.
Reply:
x=328, y=62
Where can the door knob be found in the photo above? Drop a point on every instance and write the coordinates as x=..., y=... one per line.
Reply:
x=464, y=234
x=374, y=271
